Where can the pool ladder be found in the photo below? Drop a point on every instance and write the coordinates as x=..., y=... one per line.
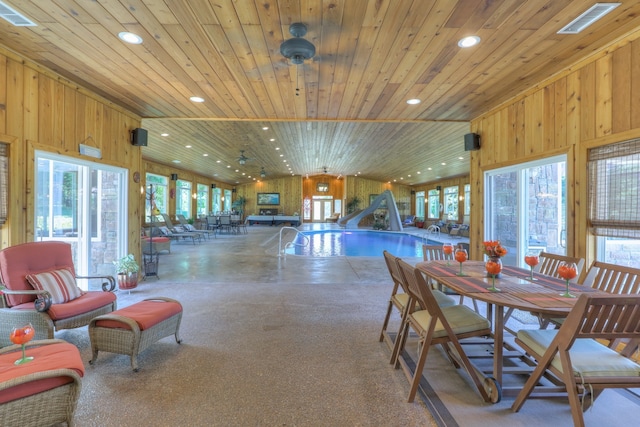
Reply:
x=291, y=244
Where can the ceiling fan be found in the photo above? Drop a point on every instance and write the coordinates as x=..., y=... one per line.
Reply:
x=243, y=159
x=297, y=49
x=262, y=173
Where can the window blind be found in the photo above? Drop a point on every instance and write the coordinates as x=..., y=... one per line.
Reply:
x=4, y=183
x=614, y=190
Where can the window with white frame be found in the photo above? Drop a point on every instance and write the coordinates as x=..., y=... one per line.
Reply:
x=216, y=202
x=420, y=204
x=467, y=199
x=159, y=194
x=434, y=204
x=183, y=198
x=202, y=199
x=226, y=205
x=614, y=202
x=451, y=203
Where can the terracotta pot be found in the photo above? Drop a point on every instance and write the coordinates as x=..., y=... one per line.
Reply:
x=128, y=280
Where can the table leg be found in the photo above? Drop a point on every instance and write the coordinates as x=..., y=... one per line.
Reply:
x=498, y=342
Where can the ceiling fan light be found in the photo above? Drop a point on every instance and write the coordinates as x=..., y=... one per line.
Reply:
x=297, y=49
x=242, y=161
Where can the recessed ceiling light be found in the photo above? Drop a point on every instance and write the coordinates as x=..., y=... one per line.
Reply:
x=418, y=172
x=443, y=164
x=469, y=41
x=265, y=128
x=460, y=158
x=205, y=155
x=196, y=99
x=413, y=101
x=218, y=161
x=164, y=134
x=429, y=169
x=131, y=38
x=272, y=139
x=228, y=166
x=187, y=146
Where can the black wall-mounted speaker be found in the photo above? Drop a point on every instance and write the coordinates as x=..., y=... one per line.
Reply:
x=174, y=177
x=139, y=137
x=213, y=186
x=438, y=188
x=413, y=192
x=471, y=142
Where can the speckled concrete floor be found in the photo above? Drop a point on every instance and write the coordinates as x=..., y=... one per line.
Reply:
x=268, y=341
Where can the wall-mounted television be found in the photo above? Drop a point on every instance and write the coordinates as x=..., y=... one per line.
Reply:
x=268, y=198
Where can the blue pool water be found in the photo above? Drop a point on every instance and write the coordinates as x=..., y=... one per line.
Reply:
x=358, y=243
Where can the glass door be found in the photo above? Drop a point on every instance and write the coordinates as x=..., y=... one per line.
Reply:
x=526, y=208
x=322, y=208
x=84, y=204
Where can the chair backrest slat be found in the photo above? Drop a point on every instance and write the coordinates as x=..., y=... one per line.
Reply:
x=613, y=278
x=608, y=317
x=394, y=272
x=418, y=288
x=432, y=252
x=549, y=264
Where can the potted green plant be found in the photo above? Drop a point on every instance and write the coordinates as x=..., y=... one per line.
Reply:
x=238, y=204
x=127, y=271
x=352, y=205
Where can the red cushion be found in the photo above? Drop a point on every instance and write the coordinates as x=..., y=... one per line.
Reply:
x=158, y=239
x=89, y=301
x=34, y=257
x=145, y=313
x=46, y=357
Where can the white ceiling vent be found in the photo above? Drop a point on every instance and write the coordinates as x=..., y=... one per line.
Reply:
x=14, y=17
x=587, y=18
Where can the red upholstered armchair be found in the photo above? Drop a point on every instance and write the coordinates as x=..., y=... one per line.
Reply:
x=40, y=288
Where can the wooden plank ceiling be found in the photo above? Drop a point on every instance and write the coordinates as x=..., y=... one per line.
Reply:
x=350, y=113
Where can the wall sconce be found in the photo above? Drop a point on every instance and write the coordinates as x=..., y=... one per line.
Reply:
x=222, y=199
x=174, y=177
x=194, y=195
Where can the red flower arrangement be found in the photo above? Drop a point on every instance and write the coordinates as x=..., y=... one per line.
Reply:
x=493, y=248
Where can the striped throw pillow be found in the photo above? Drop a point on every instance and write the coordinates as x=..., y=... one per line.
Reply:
x=61, y=284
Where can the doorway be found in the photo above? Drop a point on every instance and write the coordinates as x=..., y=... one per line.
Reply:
x=84, y=204
x=322, y=208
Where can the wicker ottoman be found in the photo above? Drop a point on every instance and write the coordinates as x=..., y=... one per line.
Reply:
x=133, y=329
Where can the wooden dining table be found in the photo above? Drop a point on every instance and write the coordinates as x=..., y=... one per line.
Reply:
x=542, y=296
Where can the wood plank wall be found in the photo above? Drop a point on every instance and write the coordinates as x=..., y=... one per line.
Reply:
x=336, y=187
x=290, y=189
x=593, y=103
x=42, y=111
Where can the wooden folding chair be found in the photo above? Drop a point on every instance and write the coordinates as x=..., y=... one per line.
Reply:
x=399, y=299
x=573, y=355
x=434, y=253
x=441, y=325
